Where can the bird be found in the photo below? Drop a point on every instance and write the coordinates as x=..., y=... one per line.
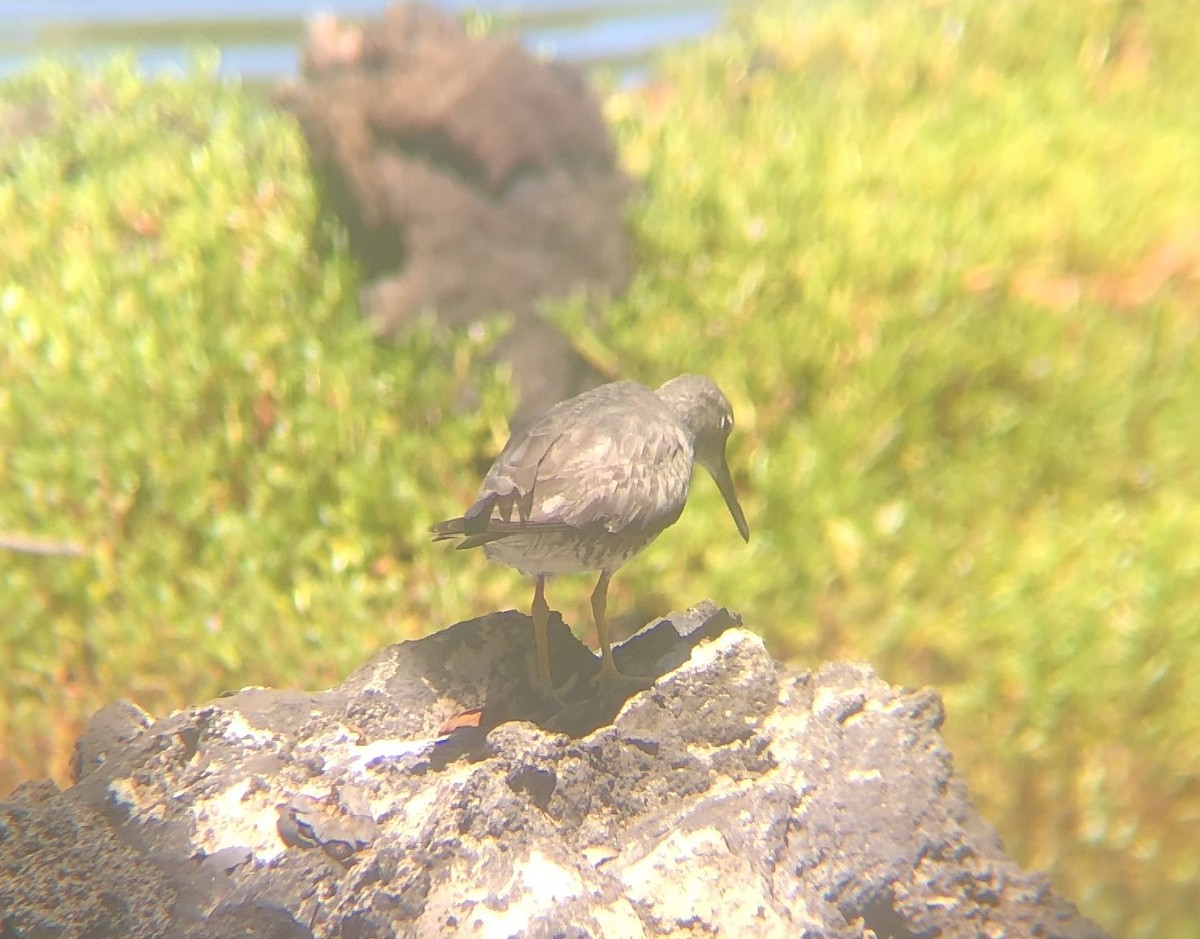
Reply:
x=591, y=482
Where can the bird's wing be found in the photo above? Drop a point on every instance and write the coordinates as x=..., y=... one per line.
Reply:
x=614, y=460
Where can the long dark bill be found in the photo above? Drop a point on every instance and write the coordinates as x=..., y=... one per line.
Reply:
x=724, y=481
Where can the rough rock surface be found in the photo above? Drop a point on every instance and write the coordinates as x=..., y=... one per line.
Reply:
x=472, y=178
x=433, y=794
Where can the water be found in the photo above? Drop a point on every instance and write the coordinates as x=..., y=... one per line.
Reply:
x=260, y=39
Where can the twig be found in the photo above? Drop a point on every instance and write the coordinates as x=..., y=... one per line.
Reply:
x=24, y=544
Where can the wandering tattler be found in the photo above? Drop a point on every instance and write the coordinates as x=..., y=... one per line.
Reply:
x=591, y=482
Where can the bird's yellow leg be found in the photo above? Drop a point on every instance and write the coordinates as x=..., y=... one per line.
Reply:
x=541, y=616
x=608, y=668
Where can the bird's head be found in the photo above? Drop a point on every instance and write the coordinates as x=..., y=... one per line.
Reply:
x=705, y=413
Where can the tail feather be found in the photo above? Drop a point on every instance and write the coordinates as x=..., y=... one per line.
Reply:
x=450, y=528
x=472, y=527
x=475, y=541
x=464, y=529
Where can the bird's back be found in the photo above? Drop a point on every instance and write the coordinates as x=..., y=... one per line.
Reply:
x=586, y=485
x=614, y=455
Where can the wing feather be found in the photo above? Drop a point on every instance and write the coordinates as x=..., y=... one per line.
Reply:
x=613, y=457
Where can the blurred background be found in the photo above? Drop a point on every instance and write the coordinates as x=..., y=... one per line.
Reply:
x=943, y=256
x=260, y=39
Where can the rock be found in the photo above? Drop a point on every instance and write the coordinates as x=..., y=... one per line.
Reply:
x=472, y=179
x=110, y=728
x=434, y=793
x=64, y=871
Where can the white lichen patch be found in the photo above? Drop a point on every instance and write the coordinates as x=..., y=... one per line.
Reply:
x=837, y=704
x=514, y=893
x=235, y=727
x=128, y=793
x=412, y=814
x=672, y=879
x=235, y=817
x=620, y=919
x=383, y=670
x=717, y=654
x=692, y=883
x=535, y=884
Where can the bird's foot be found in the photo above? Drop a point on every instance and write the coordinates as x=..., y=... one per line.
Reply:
x=564, y=689
x=608, y=678
x=545, y=686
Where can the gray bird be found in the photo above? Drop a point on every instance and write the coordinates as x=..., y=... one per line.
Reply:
x=591, y=482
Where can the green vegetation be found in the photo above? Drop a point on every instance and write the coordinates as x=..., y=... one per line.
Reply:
x=943, y=257
x=232, y=475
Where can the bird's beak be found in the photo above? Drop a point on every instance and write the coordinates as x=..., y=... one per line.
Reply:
x=720, y=475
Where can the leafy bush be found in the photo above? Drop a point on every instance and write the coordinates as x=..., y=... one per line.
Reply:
x=943, y=258
x=231, y=475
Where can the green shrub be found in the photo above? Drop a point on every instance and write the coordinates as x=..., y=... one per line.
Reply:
x=943, y=258
x=192, y=403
